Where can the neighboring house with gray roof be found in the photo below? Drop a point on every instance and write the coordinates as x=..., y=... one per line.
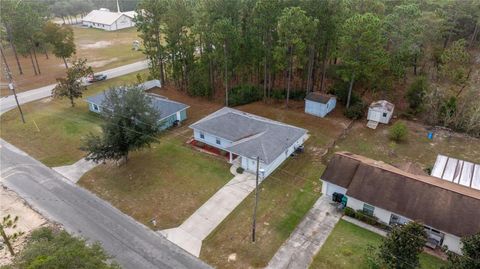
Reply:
x=249, y=136
x=171, y=112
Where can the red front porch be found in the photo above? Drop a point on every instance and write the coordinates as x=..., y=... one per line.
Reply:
x=212, y=150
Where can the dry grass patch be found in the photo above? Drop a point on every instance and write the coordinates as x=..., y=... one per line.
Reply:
x=166, y=182
x=416, y=153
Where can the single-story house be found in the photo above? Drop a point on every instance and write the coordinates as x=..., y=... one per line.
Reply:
x=457, y=171
x=379, y=112
x=447, y=210
x=171, y=112
x=249, y=136
x=109, y=21
x=319, y=104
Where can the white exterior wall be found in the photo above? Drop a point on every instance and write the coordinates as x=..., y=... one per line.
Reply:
x=453, y=243
x=319, y=109
x=211, y=140
x=329, y=188
x=376, y=114
x=354, y=203
x=121, y=23
x=251, y=164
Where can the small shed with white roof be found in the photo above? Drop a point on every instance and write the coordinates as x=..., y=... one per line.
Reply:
x=379, y=112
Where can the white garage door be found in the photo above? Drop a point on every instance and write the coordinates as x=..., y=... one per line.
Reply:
x=331, y=188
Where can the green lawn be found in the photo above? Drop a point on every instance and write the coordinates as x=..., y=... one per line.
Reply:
x=168, y=182
x=346, y=248
x=53, y=130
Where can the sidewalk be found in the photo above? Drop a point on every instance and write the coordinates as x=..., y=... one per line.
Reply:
x=190, y=234
x=307, y=239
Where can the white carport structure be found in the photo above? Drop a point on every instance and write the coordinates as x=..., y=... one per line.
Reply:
x=457, y=171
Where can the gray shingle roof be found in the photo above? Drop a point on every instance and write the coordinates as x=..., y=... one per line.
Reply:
x=164, y=106
x=251, y=135
x=319, y=97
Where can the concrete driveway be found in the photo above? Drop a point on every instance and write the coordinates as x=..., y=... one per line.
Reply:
x=190, y=234
x=307, y=239
x=75, y=171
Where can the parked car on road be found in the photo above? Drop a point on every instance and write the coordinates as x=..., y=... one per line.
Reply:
x=95, y=78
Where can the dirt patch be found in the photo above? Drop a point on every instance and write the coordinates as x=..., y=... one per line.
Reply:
x=28, y=220
x=97, y=45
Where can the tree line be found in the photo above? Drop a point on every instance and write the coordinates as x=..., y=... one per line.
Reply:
x=26, y=28
x=208, y=47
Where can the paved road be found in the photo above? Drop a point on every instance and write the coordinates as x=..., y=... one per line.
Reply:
x=8, y=102
x=129, y=242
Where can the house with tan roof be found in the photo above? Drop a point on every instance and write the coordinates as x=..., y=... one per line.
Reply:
x=448, y=210
x=246, y=137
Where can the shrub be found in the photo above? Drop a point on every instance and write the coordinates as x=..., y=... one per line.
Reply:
x=223, y=153
x=416, y=94
x=240, y=170
x=398, y=132
x=281, y=94
x=349, y=212
x=243, y=94
x=355, y=111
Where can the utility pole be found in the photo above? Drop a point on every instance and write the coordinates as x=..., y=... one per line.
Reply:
x=11, y=86
x=254, y=224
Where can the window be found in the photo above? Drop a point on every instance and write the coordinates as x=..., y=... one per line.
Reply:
x=218, y=141
x=202, y=136
x=384, y=114
x=368, y=209
x=95, y=107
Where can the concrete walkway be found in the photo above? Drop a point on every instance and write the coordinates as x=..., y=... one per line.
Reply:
x=75, y=171
x=190, y=234
x=307, y=239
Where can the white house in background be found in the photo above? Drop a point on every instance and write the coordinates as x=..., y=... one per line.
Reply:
x=447, y=210
x=379, y=112
x=457, y=171
x=109, y=21
x=319, y=104
x=249, y=136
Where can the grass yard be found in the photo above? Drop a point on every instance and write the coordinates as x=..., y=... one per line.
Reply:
x=168, y=182
x=416, y=153
x=53, y=129
x=104, y=50
x=285, y=196
x=346, y=248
